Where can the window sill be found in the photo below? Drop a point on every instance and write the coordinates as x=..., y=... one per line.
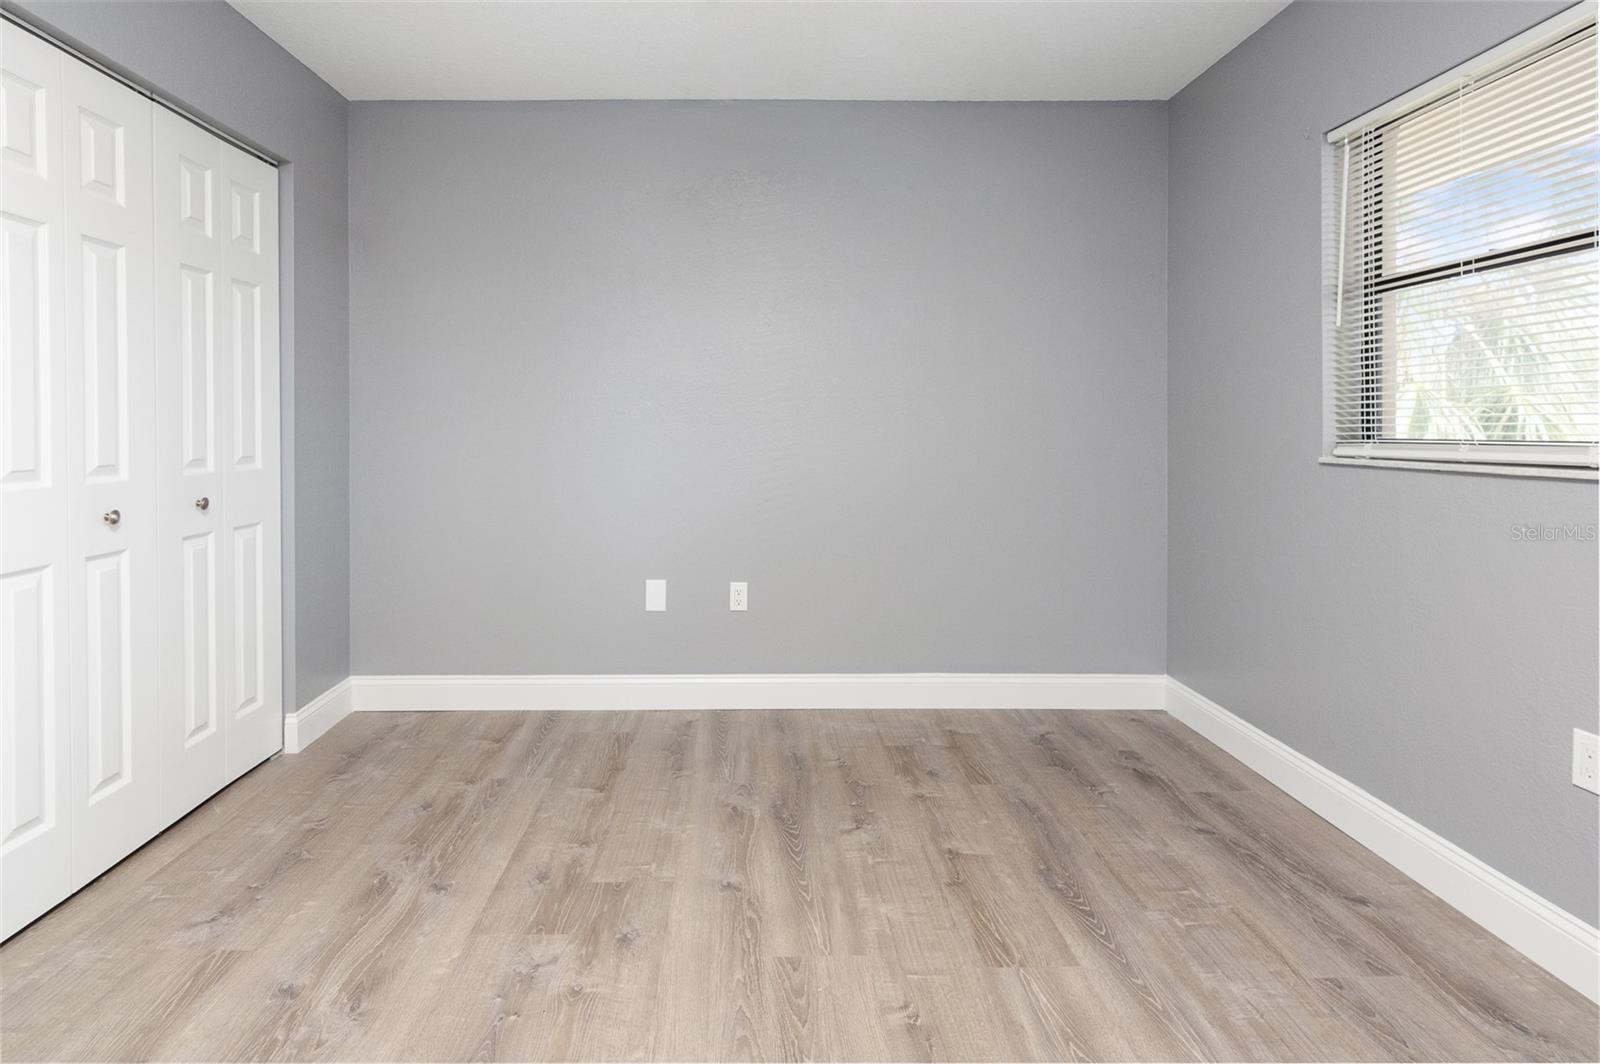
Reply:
x=1478, y=468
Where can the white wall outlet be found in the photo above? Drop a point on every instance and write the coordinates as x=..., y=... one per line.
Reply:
x=655, y=596
x=738, y=596
x=1586, y=760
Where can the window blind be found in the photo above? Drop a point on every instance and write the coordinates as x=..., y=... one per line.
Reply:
x=1466, y=289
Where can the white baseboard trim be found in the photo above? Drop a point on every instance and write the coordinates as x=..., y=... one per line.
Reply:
x=1548, y=935
x=773, y=691
x=311, y=721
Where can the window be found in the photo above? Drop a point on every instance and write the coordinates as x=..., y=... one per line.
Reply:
x=1465, y=275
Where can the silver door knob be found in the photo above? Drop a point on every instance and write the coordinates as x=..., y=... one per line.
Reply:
x=111, y=517
x=203, y=503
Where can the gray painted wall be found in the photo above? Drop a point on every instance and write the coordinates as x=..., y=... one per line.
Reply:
x=1382, y=622
x=900, y=366
x=217, y=63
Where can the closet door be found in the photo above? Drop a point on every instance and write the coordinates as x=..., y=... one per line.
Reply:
x=194, y=427
x=140, y=645
x=116, y=782
x=250, y=453
x=35, y=847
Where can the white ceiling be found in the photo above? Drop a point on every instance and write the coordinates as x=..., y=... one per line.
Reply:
x=742, y=50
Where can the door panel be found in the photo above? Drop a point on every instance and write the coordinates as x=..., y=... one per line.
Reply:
x=249, y=629
x=196, y=181
x=193, y=383
x=199, y=625
x=197, y=325
x=116, y=775
x=25, y=446
x=247, y=412
x=28, y=606
x=251, y=476
x=35, y=806
x=108, y=691
x=105, y=360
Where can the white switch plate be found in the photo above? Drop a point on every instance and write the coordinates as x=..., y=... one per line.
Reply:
x=738, y=596
x=1586, y=760
x=655, y=596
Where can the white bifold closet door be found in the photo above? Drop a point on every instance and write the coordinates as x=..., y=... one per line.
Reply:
x=110, y=471
x=216, y=268
x=140, y=645
x=35, y=514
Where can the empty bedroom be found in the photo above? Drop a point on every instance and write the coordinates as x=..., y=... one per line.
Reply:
x=719, y=530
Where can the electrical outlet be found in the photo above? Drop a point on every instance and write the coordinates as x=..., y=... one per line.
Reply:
x=655, y=596
x=738, y=596
x=1586, y=760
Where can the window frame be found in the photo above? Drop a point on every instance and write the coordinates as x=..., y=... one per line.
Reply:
x=1532, y=458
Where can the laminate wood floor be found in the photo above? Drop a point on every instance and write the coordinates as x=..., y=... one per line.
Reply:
x=767, y=886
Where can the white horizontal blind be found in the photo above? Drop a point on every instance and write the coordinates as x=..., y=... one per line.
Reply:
x=1466, y=318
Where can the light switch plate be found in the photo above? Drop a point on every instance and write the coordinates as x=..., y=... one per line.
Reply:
x=655, y=596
